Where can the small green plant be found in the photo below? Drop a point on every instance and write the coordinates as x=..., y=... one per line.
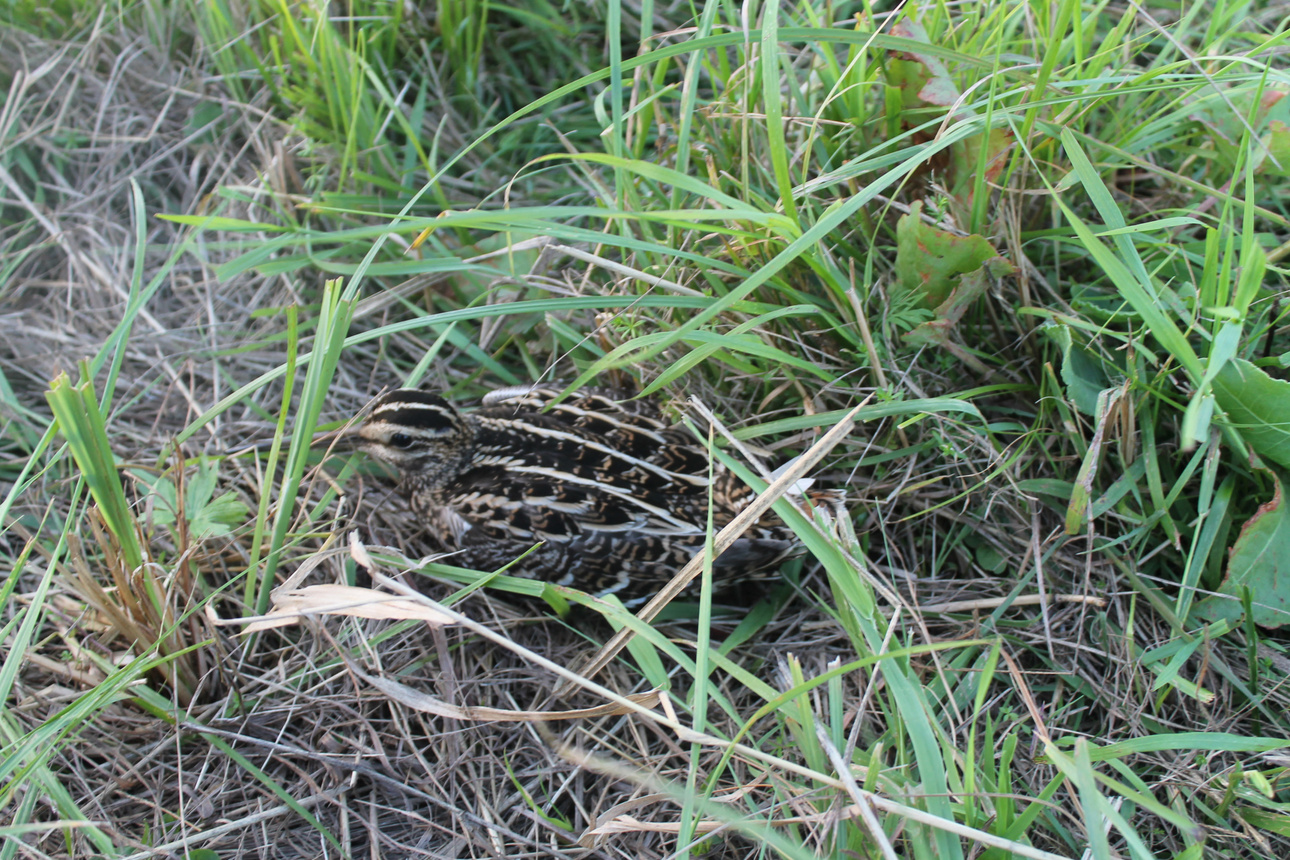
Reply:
x=201, y=515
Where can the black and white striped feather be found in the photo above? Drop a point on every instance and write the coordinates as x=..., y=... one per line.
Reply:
x=616, y=497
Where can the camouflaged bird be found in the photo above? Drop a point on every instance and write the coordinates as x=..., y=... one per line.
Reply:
x=616, y=497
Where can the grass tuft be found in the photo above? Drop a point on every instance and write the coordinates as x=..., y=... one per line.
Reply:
x=1043, y=247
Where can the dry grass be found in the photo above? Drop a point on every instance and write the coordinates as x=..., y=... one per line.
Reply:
x=280, y=749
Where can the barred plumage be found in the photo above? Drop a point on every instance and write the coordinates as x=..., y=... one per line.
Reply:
x=618, y=499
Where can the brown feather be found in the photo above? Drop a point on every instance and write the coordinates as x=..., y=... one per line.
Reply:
x=618, y=499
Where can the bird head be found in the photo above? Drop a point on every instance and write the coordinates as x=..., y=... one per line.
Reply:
x=420, y=434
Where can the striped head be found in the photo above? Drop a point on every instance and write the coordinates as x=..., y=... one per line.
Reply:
x=420, y=434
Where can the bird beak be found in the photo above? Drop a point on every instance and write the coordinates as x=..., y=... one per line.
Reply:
x=339, y=441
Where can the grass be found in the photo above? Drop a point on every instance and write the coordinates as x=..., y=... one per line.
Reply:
x=1044, y=242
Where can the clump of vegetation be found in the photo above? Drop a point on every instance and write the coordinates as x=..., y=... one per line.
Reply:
x=1039, y=248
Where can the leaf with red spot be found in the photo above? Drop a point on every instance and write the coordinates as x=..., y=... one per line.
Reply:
x=983, y=154
x=931, y=262
x=1260, y=562
x=947, y=273
x=920, y=76
x=971, y=286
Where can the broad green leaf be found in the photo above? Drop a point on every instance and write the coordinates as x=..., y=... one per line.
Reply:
x=1277, y=143
x=970, y=286
x=218, y=517
x=1080, y=370
x=1257, y=406
x=921, y=77
x=210, y=516
x=930, y=262
x=1260, y=562
x=161, y=503
x=979, y=158
x=1230, y=114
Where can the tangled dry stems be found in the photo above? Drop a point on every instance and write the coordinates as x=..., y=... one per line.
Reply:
x=112, y=111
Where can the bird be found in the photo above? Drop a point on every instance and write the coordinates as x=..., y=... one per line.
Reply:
x=614, y=499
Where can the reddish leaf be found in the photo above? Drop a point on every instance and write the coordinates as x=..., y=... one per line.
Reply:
x=921, y=77
x=930, y=262
x=1260, y=561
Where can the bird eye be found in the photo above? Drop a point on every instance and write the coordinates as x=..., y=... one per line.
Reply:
x=401, y=440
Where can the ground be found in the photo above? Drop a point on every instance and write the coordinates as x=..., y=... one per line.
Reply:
x=1041, y=244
